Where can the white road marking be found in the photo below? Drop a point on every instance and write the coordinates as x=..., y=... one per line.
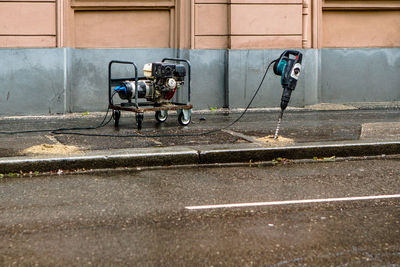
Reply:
x=289, y=202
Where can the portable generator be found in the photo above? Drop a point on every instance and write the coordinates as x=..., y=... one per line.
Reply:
x=157, y=87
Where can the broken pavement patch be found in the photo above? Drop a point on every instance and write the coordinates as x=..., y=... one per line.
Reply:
x=380, y=131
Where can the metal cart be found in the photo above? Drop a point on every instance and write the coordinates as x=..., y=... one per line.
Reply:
x=184, y=110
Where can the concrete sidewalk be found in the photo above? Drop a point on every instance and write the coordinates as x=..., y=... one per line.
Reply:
x=313, y=132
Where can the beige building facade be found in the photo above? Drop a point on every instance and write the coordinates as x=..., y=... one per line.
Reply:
x=54, y=53
x=199, y=24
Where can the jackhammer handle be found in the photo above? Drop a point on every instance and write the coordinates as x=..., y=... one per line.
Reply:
x=297, y=54
x=292, y=52
x=286, y=54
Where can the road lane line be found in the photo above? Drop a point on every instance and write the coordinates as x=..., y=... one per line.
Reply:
x=289, y=202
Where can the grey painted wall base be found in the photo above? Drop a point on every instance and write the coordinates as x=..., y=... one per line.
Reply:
x=61, y=80
x=360, y=75
x=32, y=81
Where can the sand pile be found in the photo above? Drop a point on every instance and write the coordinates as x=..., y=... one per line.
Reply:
x=51, y=149
x=269, y=139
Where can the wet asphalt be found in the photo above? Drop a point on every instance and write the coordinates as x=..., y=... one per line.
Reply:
x=139, y=217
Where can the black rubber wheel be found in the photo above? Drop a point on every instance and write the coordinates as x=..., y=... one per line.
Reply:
x=182, y=121
x=160, y=117
x=139, y=120
x=116, y=115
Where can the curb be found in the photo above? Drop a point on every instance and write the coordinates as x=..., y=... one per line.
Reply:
x=99, y=161
x=189, y=156
x=299, y=152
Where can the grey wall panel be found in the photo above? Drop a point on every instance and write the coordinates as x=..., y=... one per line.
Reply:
x=31, y=81
x=360, y=75
x=309, y=79
x=208, y=78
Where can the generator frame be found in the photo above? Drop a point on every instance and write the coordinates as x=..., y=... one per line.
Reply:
x=184, y=110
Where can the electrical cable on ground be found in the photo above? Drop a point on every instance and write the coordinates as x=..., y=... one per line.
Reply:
x=66, y=131
x=102, y=124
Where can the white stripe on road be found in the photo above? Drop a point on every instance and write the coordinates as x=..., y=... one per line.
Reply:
x=288, y=202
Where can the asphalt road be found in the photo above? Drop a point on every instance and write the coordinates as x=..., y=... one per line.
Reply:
x=141, y=218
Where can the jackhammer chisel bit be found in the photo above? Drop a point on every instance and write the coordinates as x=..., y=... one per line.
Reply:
x=278, y=126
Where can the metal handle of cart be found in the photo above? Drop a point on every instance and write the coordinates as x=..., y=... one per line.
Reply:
x=111, y=81
x=189, y=71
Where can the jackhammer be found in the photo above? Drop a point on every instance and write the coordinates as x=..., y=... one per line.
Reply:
x=289, y=70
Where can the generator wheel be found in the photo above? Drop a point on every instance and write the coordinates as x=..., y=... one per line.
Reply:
x=161, y=115
x=116, y=116
x=139, y=120
x=182, y=121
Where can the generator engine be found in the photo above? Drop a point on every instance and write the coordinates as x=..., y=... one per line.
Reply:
x=159, y=84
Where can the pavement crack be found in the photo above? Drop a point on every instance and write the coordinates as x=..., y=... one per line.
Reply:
x=248, y=138
x=53, y=140
x=158, y=143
